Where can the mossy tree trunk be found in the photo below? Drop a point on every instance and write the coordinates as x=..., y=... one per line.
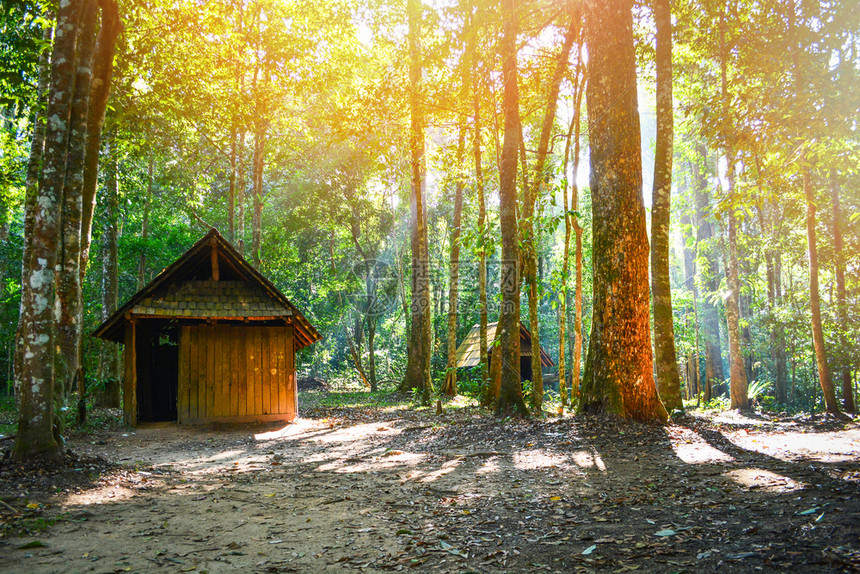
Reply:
x=618, y=375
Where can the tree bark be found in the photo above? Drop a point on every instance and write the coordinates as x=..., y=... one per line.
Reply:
x=619, y=369
x=508, y=331
x=841, y=295
x=35, y=375
x=667, y=376
x=418, y=348
x=99, y=95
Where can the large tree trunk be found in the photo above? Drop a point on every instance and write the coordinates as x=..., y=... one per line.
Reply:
x=841, y=296
x=449, y=387
x=668, y=379
x=531, y=198
x=618, y=372
x=68, y=302
x=419, y=351
x=99, y=95
x=34, y=377
x=510, y=392
x=31, y=182
x=108, y=369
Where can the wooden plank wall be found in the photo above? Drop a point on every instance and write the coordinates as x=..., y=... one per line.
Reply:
x=236, y=372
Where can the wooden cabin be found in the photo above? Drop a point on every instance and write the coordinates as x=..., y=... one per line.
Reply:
x=469, y=351
x=209, y=339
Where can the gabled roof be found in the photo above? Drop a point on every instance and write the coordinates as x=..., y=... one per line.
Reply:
x=186, y=289
x=469, y=351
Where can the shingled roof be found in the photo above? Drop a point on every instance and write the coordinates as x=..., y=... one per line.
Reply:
x=187, y=290
x=469, y=351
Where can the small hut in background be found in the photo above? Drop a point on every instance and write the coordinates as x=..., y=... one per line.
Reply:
x=469, y=351
x=209, y=339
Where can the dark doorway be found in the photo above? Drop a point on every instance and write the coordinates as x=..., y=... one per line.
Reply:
x=158, y=373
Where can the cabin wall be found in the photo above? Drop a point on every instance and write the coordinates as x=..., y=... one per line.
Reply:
x=236, y=373
x=129, y=380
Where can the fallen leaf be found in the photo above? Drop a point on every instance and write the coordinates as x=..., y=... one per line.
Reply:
x=589, y=550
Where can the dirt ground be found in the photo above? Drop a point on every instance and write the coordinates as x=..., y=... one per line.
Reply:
x=382, y=489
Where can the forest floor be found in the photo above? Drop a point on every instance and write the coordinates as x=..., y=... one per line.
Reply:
x=379, y=486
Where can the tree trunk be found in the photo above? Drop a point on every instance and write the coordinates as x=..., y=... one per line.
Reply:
x=824, y=377
x=35, y=374
x=68, y=302
x=33, y=176
x=419, y=351
x=668, y=380
x=108, y=369
x=569, y=224
x=841, y=295
x=99, y=95
x=231, y=192
x=144, y=230
x=257, y=192
x=708, y=278
x=508, y=331
x=619, y=369
x=483, y=241
x=531, y=198
x=449, y=387
x=240, y=196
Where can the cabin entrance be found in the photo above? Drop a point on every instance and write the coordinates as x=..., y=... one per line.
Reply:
x=157, y=371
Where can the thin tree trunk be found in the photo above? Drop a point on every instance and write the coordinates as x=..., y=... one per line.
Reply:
x=240, y=196
x=449, y=387
x=35, y=374
x=231, y=192
x=619, y=374
x=99, y=94
x=824, y=376
x=508, y=330
x=144, y=230
x=569, y=224
x=738, y=380
x=667, y=377
x=108, y=370
x=483, y=241
x=708, y=276
x=257, y=192
x=419, y=351
x=531, y=198
x=841, y=295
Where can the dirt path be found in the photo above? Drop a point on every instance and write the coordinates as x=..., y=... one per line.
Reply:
x=381, y=491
